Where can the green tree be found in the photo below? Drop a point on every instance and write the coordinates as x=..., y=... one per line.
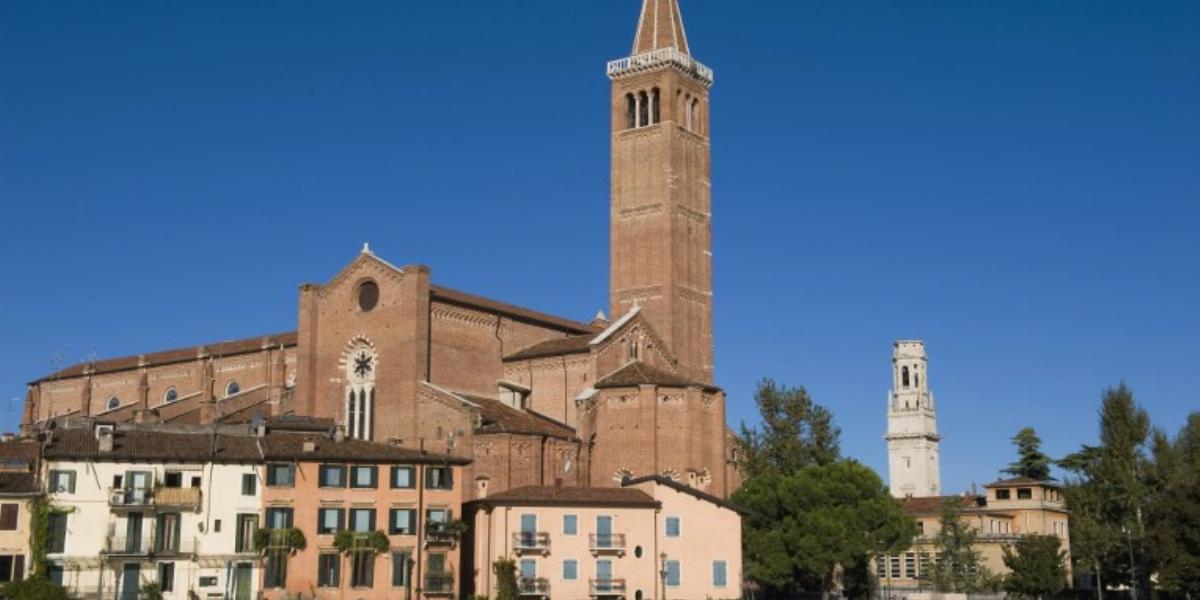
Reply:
x=34, y=588
x=959, y=566
x=506, y=579
x=1031, y=462
x=805, y=525
x=795, y=433
x=1037, y=567
x=1173, y=535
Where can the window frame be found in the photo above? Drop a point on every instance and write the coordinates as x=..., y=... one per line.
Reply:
x=14, y=510
x=573, y=519
x=353, y=477
x=166, y=581
x=412, y=521
x=57, y=473
x=678, y=572
x=412, y=477
x=338, y=526
x=720, y=567
x=445, y=484
x=335, y=579
x=400, y=559
x=271, y=475
x=352, y=523
x=285, y=510
x=573, y=575
x=323, y=469
x=250, y=480
x=678, y=532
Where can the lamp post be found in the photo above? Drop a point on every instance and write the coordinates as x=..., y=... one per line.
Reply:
x=662, y=574
x=409, y=563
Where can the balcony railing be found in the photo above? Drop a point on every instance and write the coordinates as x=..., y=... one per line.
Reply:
x=531, y=541
x=441, y=534
x=606, y=588
x=662, y=56
x=440, y=583
x=181, y=497
x=533, y=587
x=607, y=543
x=147, y=545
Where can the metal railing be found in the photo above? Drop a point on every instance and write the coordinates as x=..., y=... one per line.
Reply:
x=607, y=542
x=440, y=534
x=531, y=541
x=606, y=587
x=662, y=56
x=439, y=583
x=533, y=586
x=148, y=545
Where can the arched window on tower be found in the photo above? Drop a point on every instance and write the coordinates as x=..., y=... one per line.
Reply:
x=916, y=379
x=643, y=109
x=361, y=364
x=687, y=110
x=655, y=111
x=904, y=376
x=630, y=111
x=695, y=118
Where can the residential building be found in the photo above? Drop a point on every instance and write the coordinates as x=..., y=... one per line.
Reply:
x=20, y=490
x=651, y=538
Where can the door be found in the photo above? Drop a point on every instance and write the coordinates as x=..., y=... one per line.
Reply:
x=241, y=581
x=604, y=576
x=129, y=582
x=528, y=531
x=137, y=489
x=133, y=532
x=604, y=536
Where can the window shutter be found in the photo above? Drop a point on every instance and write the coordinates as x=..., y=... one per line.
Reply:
x=8, y=517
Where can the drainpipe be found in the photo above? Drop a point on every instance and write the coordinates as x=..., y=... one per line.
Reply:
x=420, y=550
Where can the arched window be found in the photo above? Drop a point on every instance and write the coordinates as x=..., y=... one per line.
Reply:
x=634, y=350
x=643, y=109
x=695, y=118
x=113, y=403
x=171, y=395
x=630, y=111
x=232, y=388
x=655, y=111
x=916, y=379
x=904, y=377
x=361, y=364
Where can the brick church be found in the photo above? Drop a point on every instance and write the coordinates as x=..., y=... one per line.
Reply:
x=385, y=354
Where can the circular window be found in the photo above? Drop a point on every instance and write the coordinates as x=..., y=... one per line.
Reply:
x=113, y=403
x=171, y=395
x=637, y=552
x=368, y=296
x=232, y=388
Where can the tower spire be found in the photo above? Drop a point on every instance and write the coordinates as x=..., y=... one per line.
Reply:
x=660, y=26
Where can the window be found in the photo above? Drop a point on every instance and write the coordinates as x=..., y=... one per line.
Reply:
x=58, y=533
x=62, y=482
x=910, y=565
x=332, y=476
x=281, y=475
x=437, y=515
x=672, y=573
x=402, y=564
x=279, y=518
x=12, y=567
x=232, y=389
x=167, y=530
x=643, y=109
x=1024, y=494
x=881, y=567
x=166, y=576
x=672, y=527
x=439, y=478
x=113, y=403
x=402, y=521
x=630, y=111
x=208, y=581
x=328, y=570
x=1003, y=494
x=402, y=478
x=368, y=296
x=173, y=479
x=249, y=484
x=904, y=377
x=330, y=520
x=276, y=576
x=170, y=396
x=362, y=520
x=655, y=95
x=925, y=564
x=720, y=573
x=244, y=540
x=894, y=565
x=364, y=477
x=362, y=569
x=570, y=570
x=217, y=525
x=570, y=525
x=920, y=527
x=8, y=516
x=55, y=574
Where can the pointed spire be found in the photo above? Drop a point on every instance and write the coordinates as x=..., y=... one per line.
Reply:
x=660, y=26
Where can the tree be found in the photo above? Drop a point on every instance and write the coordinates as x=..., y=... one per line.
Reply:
x=796, y=432
x=1031, y=462
x=34, y=588
x=1174, y=532
x=506, y=579
x=805, y=525
x=959, y=567
x=1037, y=566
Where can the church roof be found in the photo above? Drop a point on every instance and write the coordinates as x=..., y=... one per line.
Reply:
x=639, y=373
x=660, y=26
x=522, y=314
x=497, y=417
x=575, y=344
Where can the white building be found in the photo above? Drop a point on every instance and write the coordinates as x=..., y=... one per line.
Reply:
x=914, y=469
x=139, y=506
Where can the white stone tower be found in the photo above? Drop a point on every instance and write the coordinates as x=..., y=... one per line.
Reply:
x=913, y=463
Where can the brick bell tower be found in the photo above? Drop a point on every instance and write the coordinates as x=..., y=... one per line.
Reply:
x=661, y=227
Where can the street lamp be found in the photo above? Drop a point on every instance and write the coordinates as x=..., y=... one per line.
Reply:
x=662, y=573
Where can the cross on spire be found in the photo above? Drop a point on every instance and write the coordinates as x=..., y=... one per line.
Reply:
x=660, y=26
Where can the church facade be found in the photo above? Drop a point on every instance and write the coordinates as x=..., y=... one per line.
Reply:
x=383, y=353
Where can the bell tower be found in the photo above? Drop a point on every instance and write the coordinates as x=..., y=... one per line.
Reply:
x=914, y=469
x=661, y=220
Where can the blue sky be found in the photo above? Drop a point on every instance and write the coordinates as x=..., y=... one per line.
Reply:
x=1018, y=183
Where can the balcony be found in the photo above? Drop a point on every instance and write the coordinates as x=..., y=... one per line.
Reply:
x=441, y=534
x=146, y=546
x=439, y=583
x=186, y=498
x=533, y=587
x=655, y=58
x=607, y=543
x=131, y=498
x=606, y=588
x=531, y=542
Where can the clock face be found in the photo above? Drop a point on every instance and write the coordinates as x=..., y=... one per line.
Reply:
x=364, y=364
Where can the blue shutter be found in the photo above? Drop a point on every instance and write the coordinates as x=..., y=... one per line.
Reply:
x=719, y=574
x=673, y=573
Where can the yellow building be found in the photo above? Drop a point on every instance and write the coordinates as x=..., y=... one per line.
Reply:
x=19, y=488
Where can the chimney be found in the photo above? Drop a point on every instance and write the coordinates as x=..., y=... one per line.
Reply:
x=261, y=430
x=105, y=436
x=310, y=446
x=339, y=433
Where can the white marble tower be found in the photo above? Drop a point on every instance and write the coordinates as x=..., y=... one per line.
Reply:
x=913, y=463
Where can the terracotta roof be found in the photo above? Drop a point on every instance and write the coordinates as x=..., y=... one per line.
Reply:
x=177, y=355
x=571, y=496
x=576, y=344
x=20, y=450
x=660, y=26
x=1020, y=481
x=932, y=505
x=158, y=445
x=498, y=417
x=13, y=483
x=639, y=373
x=524, y=314
x=679, y=487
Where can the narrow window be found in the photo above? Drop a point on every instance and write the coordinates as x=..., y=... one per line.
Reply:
x=249, y=484
x=720, y=573
x=328, y=570
x=570, y=570
x=643, y=109
x=655, y=112
x=570, y=525
x=362, y=568
x=672, y=573
x=166, y=576
x=8, y=516
x=672, y=527
x=630, y=111
x=904, y=377
x=402, y=564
